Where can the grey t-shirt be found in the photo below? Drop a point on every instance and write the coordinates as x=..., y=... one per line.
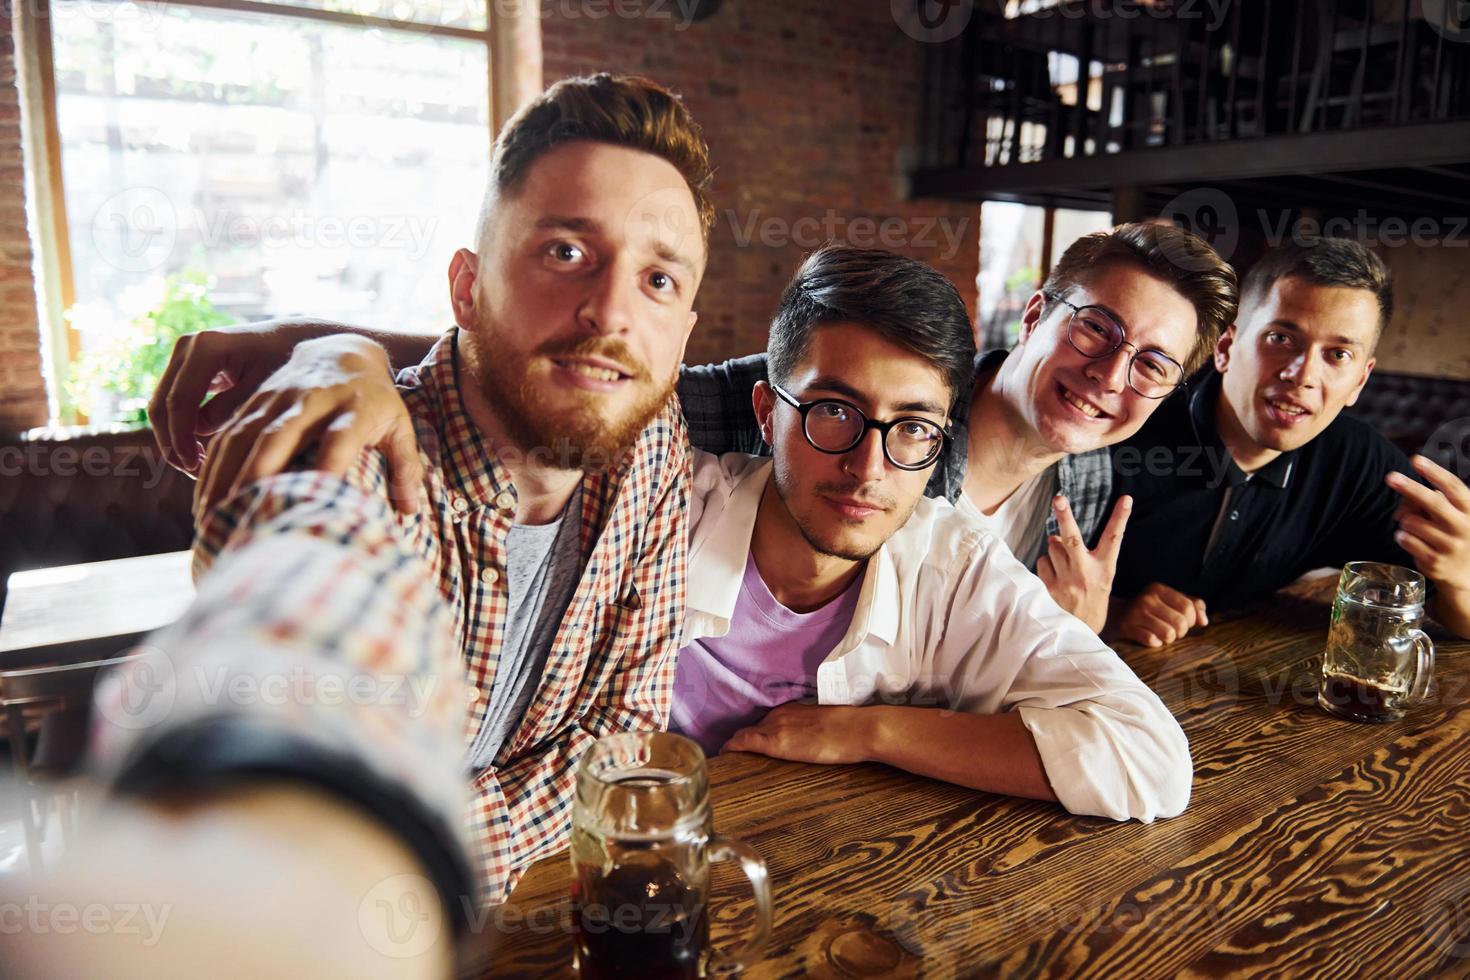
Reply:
x=543, y=563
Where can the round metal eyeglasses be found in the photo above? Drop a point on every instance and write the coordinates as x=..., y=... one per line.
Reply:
x=1093, y=332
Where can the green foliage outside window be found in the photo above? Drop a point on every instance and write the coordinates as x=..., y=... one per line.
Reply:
x=1019, y=287
x=129, y=365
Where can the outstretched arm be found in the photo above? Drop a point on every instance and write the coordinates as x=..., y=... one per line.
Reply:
x=194, y=876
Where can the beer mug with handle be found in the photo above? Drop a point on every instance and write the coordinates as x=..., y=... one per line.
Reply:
x=642, y=844
x=1378, y=662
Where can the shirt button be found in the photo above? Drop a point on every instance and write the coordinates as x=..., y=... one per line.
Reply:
x=489, y=576
x=505, y=500
x=459, y=504
x=1235, y=515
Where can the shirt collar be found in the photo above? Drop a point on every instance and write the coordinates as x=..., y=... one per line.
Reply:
x=1203, y=402
x=717, y=559
x=474, y=469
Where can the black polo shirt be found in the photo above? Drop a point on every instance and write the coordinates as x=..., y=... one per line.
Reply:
x=1204, y=527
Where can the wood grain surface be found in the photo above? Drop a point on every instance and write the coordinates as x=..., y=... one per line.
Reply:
x=1312, y=846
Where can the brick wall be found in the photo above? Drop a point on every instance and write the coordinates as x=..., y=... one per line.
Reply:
x=22, y=391
x=808, y=108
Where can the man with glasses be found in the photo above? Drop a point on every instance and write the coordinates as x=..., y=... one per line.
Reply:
x=1256, y=477
x=824, y=575
x=1028, y=455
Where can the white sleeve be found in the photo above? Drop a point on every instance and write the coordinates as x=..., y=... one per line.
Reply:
x=1109, y=745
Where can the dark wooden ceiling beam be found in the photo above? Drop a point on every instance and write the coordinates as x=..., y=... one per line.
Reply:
x=1422, y=145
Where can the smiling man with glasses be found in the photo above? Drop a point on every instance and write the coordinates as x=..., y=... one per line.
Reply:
x=1027, y=455
x=824, y=575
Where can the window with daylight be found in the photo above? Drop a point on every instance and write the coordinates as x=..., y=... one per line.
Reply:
x=1016, y=254
x=227, y=164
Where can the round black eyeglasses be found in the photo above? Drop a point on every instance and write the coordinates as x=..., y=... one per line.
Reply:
x=836, y=427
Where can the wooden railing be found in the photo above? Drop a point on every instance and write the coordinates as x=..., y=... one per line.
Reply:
x=1045, y=80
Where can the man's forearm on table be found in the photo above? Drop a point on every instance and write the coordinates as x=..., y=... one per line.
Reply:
x=994, y=753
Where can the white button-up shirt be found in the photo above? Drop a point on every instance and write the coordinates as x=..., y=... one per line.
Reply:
x=948, y=618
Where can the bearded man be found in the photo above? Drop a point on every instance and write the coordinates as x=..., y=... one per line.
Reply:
x=553, y=493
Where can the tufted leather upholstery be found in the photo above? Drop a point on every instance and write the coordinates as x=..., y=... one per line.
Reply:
x=66, y=499
x=1428, y=415
x=92, y=497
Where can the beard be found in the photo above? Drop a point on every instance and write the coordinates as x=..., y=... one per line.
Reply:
x=583, y=435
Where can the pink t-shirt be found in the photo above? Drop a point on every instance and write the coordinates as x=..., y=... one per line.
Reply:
x=769, y=657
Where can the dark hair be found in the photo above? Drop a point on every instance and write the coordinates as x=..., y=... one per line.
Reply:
x=1180, y=258
x=902, y=299
x=1324, y=262
x=623, y=110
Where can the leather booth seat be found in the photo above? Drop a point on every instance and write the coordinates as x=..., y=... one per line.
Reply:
x=1417, y=414
x=67, y=498
x=94, y=496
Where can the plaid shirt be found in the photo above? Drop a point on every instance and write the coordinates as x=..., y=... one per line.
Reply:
x=611, y=668
x=716, y=399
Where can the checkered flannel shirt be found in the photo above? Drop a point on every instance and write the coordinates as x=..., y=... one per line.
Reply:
x=612, y=662
x=717, y=407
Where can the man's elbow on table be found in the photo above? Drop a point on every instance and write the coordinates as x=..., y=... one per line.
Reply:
x=1114, y=758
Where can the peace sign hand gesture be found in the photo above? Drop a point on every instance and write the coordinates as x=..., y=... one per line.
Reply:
x=1080, y=580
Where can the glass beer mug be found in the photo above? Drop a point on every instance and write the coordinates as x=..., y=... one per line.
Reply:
x=642, y=844
x=1378, y=662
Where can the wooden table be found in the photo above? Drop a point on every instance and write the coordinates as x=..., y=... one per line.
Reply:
x=73, y=613
x=1312, y=845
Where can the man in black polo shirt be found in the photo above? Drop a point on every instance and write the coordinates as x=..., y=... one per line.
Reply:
x=1251, y=476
